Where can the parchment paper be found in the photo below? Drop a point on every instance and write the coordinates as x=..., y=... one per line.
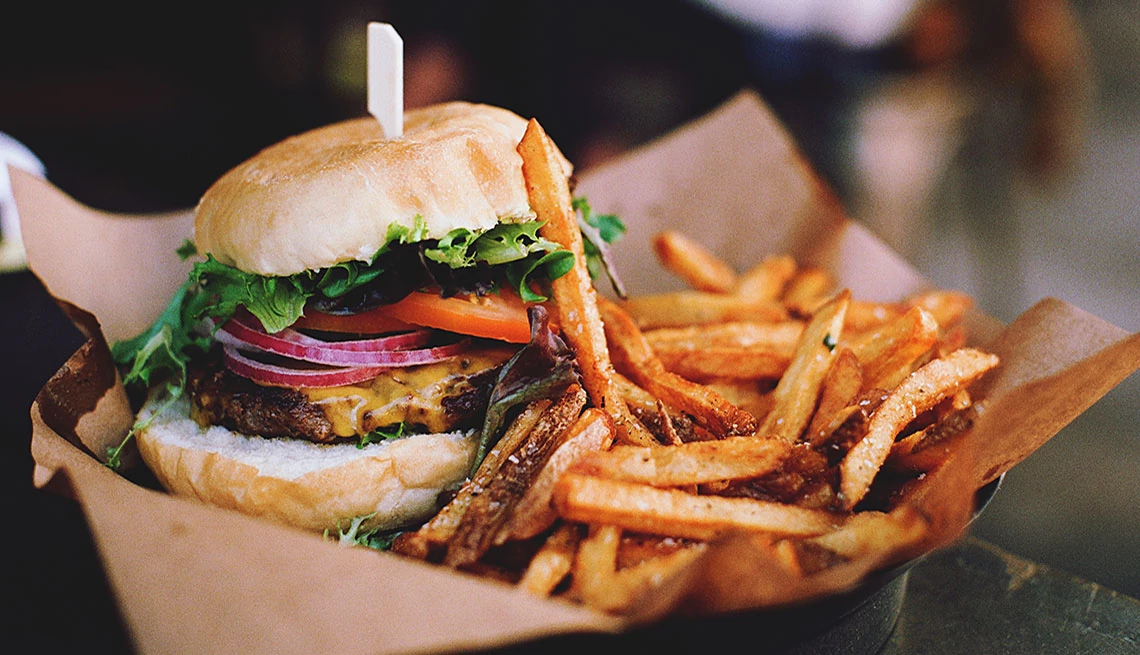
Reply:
x=192, y=578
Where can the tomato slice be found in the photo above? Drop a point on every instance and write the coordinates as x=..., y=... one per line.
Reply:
x=499, y=316
x=375, y=321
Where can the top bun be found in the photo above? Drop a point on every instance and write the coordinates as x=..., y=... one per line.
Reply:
x=329, y=195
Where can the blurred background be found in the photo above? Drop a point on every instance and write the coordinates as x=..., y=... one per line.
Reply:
x=995, y=144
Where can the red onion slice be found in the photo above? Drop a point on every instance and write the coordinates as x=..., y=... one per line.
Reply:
x=264, y=373
x=289, y=337
x=321, y=352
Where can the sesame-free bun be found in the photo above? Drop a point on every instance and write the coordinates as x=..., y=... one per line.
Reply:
x=328, y=195
x=295, y=482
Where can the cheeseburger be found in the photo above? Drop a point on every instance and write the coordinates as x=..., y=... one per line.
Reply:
x=357, y=304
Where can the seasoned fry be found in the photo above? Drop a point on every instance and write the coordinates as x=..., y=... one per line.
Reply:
x=553, y=561
x=808, y=290
x=865, y=315
x=440, y=528
x=491, y=504
x=595, y=566
x=684, y=308
x=768, y=279
x=735, y=350
x=798, y=389
x=925, y=388
x=593, y=431
x=928, y=448
x=549, y=193
x=642, y=508
x=947, y=307
x=779, y=336
x=693, y=262
x=731, y=362
x=888, y=354
x=841, y=386
x=636, y=359
x=697, y=462
x=867, y=533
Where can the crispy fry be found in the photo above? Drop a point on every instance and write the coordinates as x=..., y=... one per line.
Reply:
x=928, y=448
x=865, y=315
x=549, y=193
x=440, y=528
x=888, y=354
x=875, y=533
x=595, y=566
x=593, y=431
x=492, y=503
x=768, y=279
x=751, y=396
x=780, y=336
x=925, y=388
x=642, y=508
x=700, y=365
x=740, y=350
x=697, y=462
x=808, y=290
x=693, y=262
x=798, y=390
x=947, y=307
x=841, y=385
x=684, y=308
x=553, y=561
x=636, y=360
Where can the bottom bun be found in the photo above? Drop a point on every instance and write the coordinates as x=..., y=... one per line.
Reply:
x=312, y=486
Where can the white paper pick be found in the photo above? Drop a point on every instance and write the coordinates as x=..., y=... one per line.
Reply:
x=386, y=78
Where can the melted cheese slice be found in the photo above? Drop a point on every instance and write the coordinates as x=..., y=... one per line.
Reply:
x=410, y=394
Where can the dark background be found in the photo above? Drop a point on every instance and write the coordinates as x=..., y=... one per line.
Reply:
x=138, y=107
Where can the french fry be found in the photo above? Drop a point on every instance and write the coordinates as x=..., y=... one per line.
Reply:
x=693, y=262
x=642, y=508
x=728, y=362
x=928, y=448
x=751, y=396
x=873, y=533
x=548, y=191
x=841, y=386
x=636, y=360
x=780, y=336
x=646, y=578
x=808, y=290
x=865, y=315
x=441, y=527
x=594, y=568
x=767, y=280
x=697, y=462
x=735, y=350
x=593, y=431
x=946, y=306
x=925, y=388
x=491, y=504
x=798, y=390
x=888, y=353
x=684, y=308
x=553, y=561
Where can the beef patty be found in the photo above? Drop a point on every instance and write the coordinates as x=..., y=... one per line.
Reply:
x=440, y=397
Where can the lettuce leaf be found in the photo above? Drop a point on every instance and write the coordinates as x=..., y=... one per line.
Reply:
x=544, y=368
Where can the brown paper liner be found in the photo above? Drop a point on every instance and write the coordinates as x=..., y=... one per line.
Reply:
x=194, y=578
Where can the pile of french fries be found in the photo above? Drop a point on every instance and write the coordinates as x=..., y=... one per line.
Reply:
x=767, y=404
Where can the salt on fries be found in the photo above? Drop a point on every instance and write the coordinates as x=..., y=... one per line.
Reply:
x=761, y=405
